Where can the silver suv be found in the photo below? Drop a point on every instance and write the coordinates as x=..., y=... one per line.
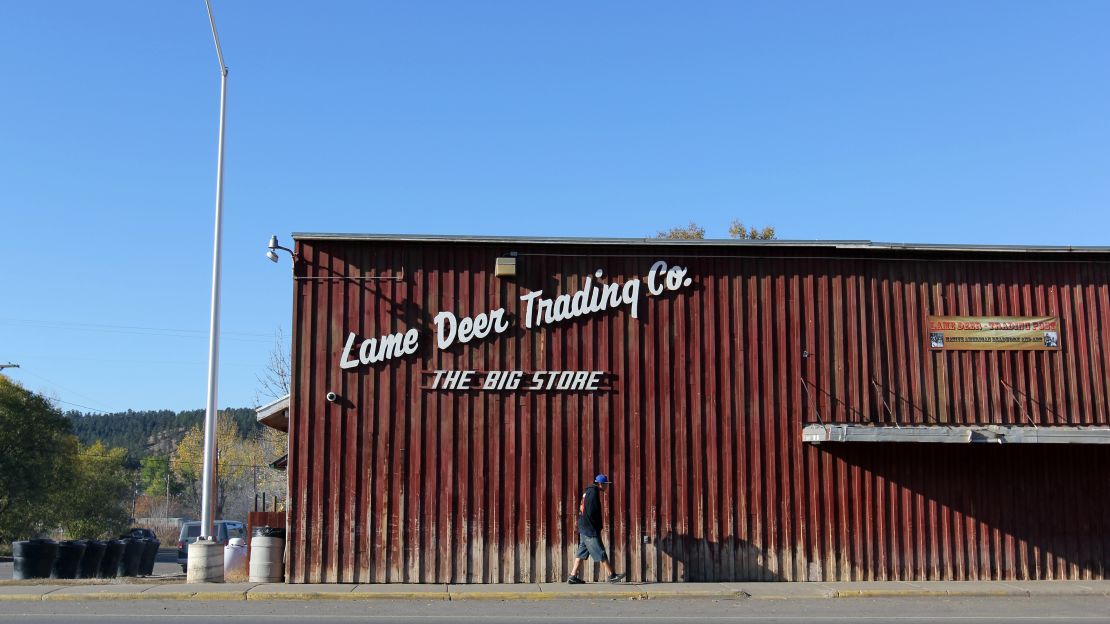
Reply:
x=190, y=531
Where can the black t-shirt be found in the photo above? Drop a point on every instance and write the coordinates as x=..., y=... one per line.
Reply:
x=589, y=518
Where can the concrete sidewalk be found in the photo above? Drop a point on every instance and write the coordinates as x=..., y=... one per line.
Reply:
x=549, y=591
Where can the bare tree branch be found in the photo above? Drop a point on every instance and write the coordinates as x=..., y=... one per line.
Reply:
x=273, y=383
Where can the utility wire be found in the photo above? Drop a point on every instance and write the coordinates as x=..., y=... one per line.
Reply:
x=138, y=331
x=71, y=391
x=79, y=405
x=93, y=326
x=170, y=460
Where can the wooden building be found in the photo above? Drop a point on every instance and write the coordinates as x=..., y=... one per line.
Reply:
x=767, y=410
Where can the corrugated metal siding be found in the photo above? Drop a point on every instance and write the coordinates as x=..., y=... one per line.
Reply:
x=701, y=428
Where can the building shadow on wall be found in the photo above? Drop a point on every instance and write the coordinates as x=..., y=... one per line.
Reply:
x=699, y=559
x=983, y=511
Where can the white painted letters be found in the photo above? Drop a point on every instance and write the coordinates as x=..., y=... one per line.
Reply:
x=656, y=269
x=596, y=294
x=379, y=349
x=448, y=329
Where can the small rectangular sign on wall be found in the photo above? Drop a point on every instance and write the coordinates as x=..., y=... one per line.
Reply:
x=994, y=333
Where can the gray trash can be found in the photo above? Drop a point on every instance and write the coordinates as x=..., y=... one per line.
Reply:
x=267, y=563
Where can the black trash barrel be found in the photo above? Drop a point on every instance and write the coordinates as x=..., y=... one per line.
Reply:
x=33, y=558
x=46, y=560
x=90, y=561
x=150, y=553
x=132, y=557
x=109, y=565
x=24, y=555
x=68, y=560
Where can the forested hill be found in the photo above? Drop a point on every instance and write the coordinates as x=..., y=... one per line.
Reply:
x=151, y=432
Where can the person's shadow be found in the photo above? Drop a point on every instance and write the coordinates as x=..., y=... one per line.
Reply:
x=731, y=559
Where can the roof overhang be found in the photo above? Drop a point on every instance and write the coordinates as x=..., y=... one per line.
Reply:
x=709, y=242
x=275, y=414
x=280, y=463
x=966, y=434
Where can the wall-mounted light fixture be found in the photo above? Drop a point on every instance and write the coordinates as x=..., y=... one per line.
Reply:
x=505, y=266
x=274, y=246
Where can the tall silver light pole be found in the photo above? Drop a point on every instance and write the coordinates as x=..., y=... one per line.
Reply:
x=208, y=488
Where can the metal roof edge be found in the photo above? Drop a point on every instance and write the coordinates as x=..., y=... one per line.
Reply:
x=271, y=408
x=711, y=242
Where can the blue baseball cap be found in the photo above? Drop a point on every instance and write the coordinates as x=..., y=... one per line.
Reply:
x=601, y=479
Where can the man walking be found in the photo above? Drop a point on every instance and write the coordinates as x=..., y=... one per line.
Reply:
x=589, y=532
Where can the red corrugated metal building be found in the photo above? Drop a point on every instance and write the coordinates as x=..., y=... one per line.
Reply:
x=693, y=387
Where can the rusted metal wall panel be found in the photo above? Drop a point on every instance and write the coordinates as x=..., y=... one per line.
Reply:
x=701, y=425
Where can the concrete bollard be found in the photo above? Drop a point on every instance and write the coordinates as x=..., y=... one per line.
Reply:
x=206, y=562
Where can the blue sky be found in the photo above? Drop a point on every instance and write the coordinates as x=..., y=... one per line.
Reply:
x=943, y=122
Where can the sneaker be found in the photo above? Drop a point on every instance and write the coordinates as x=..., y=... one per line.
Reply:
x=574, y=580
x=615, y=578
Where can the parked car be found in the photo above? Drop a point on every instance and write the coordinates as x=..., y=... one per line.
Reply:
x=190, y=531
x=139, y=533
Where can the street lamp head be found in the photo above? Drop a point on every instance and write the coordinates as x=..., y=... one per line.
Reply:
x=273, y=247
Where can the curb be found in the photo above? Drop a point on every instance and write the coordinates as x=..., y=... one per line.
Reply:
x=530, y=595
x=265, y=595
x=91, y=597
x=56, y=597
x=730, y=595
x=905, y=593
x=288, y=593
x=938, y=593
x=21, y=597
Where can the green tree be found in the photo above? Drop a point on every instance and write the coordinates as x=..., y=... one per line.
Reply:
x=97, y=504
x=36, y=461
x=689, y=232
x=233, y=462
x=736, y=229
x=156, y=477
x=149, y=432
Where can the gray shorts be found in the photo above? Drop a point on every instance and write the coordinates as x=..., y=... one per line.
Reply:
x=590, y=547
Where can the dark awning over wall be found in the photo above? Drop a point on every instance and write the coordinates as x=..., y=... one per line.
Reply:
x=973, y=434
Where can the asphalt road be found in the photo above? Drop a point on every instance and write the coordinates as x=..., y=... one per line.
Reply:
x=165, y=565
x=833, y=611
